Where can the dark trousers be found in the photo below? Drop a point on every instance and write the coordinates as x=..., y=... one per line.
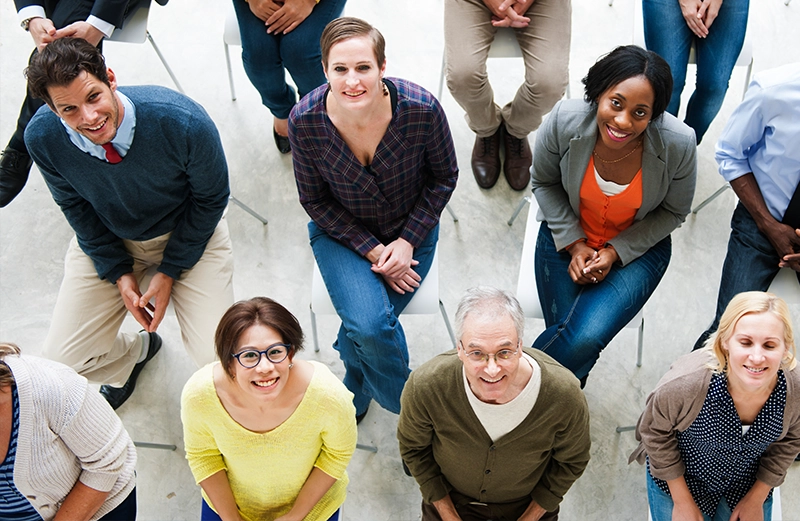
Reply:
x=125, y=511
x=468, y=510
x=750, y=265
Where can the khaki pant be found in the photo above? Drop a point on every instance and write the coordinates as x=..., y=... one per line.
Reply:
x=468, y=34
x=84, y=333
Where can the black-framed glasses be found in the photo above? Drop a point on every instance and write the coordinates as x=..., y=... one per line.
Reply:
x=276, y=353
x=479, y=357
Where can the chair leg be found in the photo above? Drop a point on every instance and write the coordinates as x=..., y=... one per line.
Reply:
x=710, y=198
x=368, y=448
x=314, y=328
x=626, y=428
x=447, y=323
x=147, y=445
x=247, y=209
x=526, y=199
x=641, y=344
x=164, y=61
x=451, y=212
x=441, y=79
x=230, y=72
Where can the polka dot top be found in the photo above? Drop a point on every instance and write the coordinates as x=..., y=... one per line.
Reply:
x=720, y=459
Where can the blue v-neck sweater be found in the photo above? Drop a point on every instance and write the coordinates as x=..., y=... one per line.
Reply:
x=173, y=179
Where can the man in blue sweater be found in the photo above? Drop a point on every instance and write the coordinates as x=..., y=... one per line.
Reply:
x=141, y=177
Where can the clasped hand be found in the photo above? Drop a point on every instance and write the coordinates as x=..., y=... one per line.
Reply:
x=281, y=16
x=699, y=15
x=590, y=266
x=146, y=313
x=509, y=13
x=393, y=262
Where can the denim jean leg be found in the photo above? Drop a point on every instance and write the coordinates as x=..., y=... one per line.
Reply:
x=716, y=58
x=371, y=341
x=666, y=34
x=261, y=57
x=300, y=51
x=724, y=511
x=583, y=328
x=660, y=502
x=750, y=265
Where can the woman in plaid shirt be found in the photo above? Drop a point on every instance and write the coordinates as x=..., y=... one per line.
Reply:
x=375, y=166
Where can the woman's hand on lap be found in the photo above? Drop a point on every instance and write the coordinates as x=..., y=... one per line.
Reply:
x=581, y=255
x=291, y=14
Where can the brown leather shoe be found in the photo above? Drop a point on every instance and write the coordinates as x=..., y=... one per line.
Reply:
x=517, y=166
x=486, y=159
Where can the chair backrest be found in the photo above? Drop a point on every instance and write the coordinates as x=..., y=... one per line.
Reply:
x=134, y=29
x=231, y=35
x=785, y=285
x=527, y=294
x=505, y=44
x=424, y=302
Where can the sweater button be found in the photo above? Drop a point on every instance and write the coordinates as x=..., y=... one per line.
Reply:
x=492, y=447
x=483, y=491
x=487, y=471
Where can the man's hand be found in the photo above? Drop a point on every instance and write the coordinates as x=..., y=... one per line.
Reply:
x=159, y=290
x=534, y=512
x=263, y=9
x=129, y=289
x=83, y=30
x=289, y=16
x=42, y=31
x=509, y=13
x=786, y=242
x=446, y=509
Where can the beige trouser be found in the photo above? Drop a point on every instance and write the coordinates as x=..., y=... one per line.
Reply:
x=84, y=333
x=468, y=34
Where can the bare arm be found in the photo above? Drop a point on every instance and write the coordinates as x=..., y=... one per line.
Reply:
x=684, y=508
x=751, y=507
x=446, y=509
x=218, y=490
x=782, y=237
x=317, y=484
x=81, y=503
x=534, y=512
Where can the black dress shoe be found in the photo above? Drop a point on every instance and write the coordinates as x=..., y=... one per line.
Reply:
x=517, y=165
x=14, y=169
x=116, y=396
x=282, y=142
x=361, y=416
x=486, y=159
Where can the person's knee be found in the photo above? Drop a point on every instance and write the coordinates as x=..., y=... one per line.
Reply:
x=465, y=78
x=547, y=85
x=365, y=328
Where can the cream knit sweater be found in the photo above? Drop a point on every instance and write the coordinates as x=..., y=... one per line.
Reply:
x=67, y=432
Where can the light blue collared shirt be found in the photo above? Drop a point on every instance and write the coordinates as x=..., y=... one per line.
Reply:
x=763, y=137
x=122, y=141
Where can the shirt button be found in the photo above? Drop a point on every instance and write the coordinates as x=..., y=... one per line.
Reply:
x=483, y=491
x=492, y=447
x=487, y=471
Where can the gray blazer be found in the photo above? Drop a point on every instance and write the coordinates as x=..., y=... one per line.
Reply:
x=564, y=145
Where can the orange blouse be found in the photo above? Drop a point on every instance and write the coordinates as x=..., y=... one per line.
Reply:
x=603, y=217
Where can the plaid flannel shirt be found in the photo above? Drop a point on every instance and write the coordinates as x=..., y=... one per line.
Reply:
x=400, y=195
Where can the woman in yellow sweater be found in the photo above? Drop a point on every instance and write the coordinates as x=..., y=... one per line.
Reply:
x=267, y=437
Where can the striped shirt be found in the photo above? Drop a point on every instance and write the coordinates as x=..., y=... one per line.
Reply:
x=401, y=194
x=13, y=505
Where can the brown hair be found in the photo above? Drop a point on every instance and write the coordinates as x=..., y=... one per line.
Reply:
x=348, y=27
x=256, y=311
x=60, y=62
x=6, y=376
x=751, y=302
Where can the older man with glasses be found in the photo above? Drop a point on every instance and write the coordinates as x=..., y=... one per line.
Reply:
x=493, y=430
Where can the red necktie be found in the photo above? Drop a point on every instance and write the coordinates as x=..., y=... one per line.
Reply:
x=112, y=156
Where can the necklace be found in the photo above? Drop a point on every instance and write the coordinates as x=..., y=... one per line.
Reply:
x=620, y=159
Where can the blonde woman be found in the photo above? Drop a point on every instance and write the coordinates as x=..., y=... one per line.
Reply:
x=723, y=425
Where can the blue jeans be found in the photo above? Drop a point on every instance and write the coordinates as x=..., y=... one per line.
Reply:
x=666, y=33
x=267, y=57
x=661, y=505
x=371, y=341
x=750, y=265
x=582, y=319
x=206, y=514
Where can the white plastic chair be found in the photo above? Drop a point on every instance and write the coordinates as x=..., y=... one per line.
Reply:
x=231, y=36
x=134, y=30
x=527, y=293
x=426, y=299
x=785, y=285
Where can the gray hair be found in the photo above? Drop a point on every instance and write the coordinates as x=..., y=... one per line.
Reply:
x=489, y=302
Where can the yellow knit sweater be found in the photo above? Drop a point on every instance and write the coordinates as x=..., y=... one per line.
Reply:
x=267, y=470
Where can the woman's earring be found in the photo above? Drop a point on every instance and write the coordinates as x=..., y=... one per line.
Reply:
x=291, y=365
x=385, y=88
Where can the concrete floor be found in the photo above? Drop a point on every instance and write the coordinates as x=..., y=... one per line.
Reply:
x=275, y=260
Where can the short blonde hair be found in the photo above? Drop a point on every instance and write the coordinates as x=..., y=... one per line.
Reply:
x=6, y=376
x=747, y=303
